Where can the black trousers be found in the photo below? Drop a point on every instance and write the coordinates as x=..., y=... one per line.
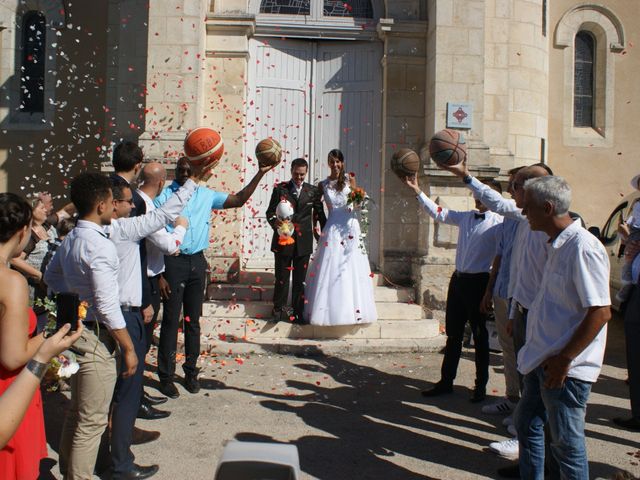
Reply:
x=186, y=275
x=463, y=305
x=284, y=266
x=126, y=399
x=632, y=341
x=156, y=300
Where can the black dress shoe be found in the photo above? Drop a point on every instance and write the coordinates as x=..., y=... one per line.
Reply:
x=138, y=472
x=192, y=384
x=631, y=423
x=147, y=412
x=151, y=400
x=439, y=388
x=143, y=436
x=478, y=395
x=511, y=471
x=169, y=389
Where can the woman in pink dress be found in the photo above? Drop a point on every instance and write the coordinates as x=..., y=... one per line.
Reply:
x=20, y=458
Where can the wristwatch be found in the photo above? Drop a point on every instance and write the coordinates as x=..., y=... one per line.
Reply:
x=37, y=368
x=467, y=179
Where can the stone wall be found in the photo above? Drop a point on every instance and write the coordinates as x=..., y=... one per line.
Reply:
x=42, y=152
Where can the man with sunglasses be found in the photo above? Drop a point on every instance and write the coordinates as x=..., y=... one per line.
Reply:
x=127, y=233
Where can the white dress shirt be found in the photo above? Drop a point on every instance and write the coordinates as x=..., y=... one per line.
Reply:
x=576, y=277
x=478, y=238
x=87, y=263
x=125, y=233
x=160, y=243
x=529, y=252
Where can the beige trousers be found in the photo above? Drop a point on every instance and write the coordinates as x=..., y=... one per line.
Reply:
x=501, y=312
x=91, y=393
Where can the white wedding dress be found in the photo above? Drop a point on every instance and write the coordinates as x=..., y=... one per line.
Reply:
x=339, y=287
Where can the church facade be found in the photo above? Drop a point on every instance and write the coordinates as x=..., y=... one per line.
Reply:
x=524, y=80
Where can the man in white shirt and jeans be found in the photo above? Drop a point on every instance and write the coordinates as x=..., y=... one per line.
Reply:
x=566, y=334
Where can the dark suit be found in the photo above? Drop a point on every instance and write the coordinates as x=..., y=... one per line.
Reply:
x=308, y=209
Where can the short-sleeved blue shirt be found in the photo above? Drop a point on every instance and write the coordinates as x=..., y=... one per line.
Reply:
x=198, y=212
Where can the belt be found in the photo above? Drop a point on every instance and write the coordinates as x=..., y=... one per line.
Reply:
x=127, y=308
x=469, y=275
x=521, y=309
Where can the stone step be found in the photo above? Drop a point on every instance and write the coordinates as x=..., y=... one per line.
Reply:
x=262, y=309
x=247, y=330
x=351, y=346
x=248, y=292
x=267, y=277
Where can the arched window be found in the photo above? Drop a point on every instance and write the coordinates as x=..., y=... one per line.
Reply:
x=583, y=98
x=354, y=8
x=32, y=65
x=330, y=8
x=286, y=7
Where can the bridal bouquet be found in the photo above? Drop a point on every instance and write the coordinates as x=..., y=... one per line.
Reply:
x=359, y=199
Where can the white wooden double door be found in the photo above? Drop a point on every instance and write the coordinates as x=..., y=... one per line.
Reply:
x=313, y=96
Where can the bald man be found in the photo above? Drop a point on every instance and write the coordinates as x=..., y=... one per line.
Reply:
x=162, y=242
x=152, y=179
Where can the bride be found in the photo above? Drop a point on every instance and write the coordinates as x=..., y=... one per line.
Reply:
x=339, y=290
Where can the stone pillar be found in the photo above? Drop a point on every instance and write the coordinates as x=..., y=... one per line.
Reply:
x=455, y=73
x=496, y=80
x=225, y=71
x=404, y=81
x=528, y=63
x=174, y=80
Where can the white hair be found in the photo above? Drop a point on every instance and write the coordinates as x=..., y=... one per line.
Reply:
x=552, y=189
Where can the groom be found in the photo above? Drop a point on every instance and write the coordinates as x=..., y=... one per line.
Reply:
x=307, y=206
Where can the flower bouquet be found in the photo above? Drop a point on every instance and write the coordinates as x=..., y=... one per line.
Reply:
x=359, y=201
x=64, y=365
x=357, y=197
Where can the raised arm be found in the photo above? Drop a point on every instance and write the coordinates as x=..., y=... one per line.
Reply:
x=168, y=242
x=271, y=209
x=238, y=199
x=137, y=228
x=438, y=213
x=491, y=199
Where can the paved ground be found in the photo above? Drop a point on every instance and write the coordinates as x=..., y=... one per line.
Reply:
x=356, y=417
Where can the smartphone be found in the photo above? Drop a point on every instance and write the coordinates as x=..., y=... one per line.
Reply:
x=67, y=304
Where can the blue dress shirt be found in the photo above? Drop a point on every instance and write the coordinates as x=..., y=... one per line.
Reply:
x=198, y=212
x=509, y=227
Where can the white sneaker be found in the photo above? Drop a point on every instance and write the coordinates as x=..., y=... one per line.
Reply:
x=506, y=448
x=501, y=407
x=506, y=421
x=512, y=430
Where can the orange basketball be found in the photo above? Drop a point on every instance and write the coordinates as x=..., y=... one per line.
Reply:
x=203, y=147
x=447, y=147
x=268, y=152
x=405, y=163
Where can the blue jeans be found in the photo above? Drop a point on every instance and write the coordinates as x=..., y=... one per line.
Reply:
x=565, y=409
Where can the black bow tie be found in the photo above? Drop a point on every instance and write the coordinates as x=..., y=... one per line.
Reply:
x=479, y=216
